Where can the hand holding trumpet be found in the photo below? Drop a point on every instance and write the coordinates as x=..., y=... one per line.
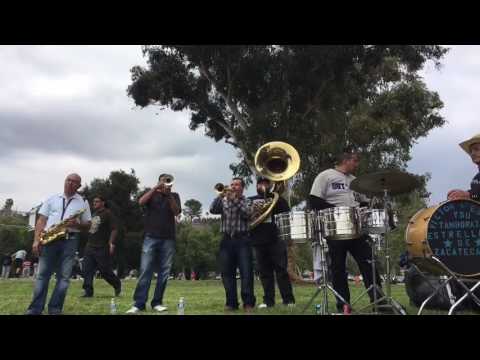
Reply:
x=225, y=191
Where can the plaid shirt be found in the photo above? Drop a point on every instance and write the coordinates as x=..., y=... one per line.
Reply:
x=235, y=214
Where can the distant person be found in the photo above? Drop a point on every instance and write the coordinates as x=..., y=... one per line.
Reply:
x=162, y=207
x=58, y=256
x=19, y=257
x=27, y=267
x=6, y=266
x=472, y=148
x=100, y=248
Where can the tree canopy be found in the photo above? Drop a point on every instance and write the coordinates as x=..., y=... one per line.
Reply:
x=319, y=99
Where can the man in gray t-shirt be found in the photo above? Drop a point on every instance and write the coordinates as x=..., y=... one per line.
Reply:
x=331, y=188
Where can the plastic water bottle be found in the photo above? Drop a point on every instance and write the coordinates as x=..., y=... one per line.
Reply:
x=318, y=309
x=181, y=306
x=113, y=307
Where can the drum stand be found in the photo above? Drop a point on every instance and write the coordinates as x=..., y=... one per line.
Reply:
x=451, y=276
x=386, y=300
x=323, y=285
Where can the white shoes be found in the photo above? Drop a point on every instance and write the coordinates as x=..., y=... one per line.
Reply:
x=262, y=306
x=160, y=308
x=133, y=310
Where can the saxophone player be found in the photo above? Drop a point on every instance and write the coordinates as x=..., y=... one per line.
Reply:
x=58, y=256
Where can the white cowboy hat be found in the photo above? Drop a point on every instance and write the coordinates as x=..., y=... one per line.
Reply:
x=467, y=143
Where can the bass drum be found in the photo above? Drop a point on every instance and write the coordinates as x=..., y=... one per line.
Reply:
x=450, y=232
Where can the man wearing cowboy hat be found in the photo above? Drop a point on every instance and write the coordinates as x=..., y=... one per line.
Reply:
x=472, y=148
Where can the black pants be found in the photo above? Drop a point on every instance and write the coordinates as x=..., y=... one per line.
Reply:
x=362, y=253
x=236, y=253
x=98, y=258
x=272, y=262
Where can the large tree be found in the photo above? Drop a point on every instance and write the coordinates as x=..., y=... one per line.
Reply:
x=319, y=99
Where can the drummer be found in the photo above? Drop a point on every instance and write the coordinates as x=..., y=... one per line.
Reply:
x=270, y=251
x=331, y=188
x=472, y=148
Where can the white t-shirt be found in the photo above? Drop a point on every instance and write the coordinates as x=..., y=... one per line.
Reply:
x=52, y=208
x=21, y=254
x=333, y=186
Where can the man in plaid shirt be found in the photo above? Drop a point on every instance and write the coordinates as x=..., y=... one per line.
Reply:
x=235, y=247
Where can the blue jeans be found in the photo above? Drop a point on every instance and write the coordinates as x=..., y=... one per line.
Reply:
x=237, y=253
x=157, y=255
x=57, y=257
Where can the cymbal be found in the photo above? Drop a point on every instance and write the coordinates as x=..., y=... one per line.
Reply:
x=394, y=181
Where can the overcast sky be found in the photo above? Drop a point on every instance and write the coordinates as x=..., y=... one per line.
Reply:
x=64, y=109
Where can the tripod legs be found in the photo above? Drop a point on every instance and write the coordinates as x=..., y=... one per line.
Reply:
x=323, y=285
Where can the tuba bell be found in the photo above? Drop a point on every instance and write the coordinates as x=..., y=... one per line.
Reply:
x=278, y=162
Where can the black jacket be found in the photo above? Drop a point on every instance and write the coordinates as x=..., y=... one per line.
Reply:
x=266, y=233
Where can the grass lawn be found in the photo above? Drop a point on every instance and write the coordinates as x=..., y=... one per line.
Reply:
x=205, y=297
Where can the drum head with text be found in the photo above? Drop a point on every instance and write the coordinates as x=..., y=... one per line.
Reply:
x=454, y=236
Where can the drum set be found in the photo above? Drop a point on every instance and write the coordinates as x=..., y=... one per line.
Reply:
x=347, y=223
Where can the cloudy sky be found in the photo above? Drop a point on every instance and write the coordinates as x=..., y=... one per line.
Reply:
x=64, y=109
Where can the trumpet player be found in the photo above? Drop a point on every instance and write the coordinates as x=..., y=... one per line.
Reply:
x=235, y=248
x=162, y=206
x=59, y=255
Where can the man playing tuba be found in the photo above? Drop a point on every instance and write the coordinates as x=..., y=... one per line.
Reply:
x=270, y=251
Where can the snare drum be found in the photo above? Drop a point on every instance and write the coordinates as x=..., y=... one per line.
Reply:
x=296, y=226
x=340, y=223
x=376, y=221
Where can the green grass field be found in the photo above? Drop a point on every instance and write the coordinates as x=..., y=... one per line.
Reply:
x=205, y=297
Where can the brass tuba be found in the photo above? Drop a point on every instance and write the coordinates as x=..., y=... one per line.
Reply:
x=278, y=162
x=58, y=231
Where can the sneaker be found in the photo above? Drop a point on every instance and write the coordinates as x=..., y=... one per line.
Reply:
x=262, y=306
x=229, y=309
x=160, y=308
x=133, y=310
x=248, y=309
x=31, y=312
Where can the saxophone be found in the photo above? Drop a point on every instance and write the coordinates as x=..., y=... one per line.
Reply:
x=58, y=231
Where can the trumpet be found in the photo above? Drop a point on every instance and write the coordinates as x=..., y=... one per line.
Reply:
x=222, y=189
x=167, y=180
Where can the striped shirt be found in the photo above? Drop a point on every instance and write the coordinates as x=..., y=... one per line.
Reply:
x=235, y=214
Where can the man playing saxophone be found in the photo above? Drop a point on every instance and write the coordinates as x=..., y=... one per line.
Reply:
x=58, y=255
